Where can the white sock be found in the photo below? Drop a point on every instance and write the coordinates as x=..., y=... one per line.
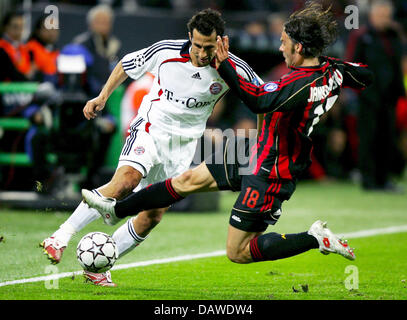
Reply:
x=64, y=233
x=81, y=217
x=126, y=238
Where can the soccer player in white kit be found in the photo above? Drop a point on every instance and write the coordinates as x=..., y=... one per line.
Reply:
x=163, y=136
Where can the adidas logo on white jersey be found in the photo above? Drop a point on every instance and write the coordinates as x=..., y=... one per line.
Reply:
x=196, y=76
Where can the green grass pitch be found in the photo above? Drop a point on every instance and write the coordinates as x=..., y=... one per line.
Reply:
x=378, y=273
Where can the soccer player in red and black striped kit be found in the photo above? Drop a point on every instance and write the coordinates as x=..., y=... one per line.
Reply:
x=291, y=107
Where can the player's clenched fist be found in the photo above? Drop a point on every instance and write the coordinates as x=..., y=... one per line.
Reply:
x=93, y=106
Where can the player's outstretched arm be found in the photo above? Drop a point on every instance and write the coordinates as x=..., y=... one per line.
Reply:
x=95, y=105
x=254, y=97
x=357, y=76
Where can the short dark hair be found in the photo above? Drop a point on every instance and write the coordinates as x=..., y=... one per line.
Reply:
x=10, y=16
x=206, y=21
x=39, y=24
x=7, y=20
x=314, y=27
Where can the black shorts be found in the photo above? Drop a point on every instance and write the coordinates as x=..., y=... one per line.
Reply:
x=231, y=162
x=259, y=202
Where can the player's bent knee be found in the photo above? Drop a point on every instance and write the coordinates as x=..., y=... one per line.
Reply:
x=184, y=182
x=121, y=188
x=236, y=256
x=123, y=183
x=154, y=216
x=186, y=178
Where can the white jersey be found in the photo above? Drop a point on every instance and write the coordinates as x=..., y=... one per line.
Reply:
x=182, y=96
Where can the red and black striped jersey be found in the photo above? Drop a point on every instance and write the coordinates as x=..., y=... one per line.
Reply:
x=292, y=106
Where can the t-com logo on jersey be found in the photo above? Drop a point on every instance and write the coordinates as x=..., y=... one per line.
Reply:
x=193, y=103
x=189, y=103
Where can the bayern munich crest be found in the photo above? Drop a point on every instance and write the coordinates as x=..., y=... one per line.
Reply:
x=139, y=150
x=215, y=88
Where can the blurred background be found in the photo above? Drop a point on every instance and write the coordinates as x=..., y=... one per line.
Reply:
x=55, y=55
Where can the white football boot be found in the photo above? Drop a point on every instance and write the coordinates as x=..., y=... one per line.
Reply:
x=328, y=242
x=104, y=205
x=99, y=279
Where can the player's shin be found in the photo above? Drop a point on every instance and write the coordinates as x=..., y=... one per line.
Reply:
x=126, y=238
x=273, y=246
x=157, y=195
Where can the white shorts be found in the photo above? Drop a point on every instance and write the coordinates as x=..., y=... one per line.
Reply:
x=157, y=154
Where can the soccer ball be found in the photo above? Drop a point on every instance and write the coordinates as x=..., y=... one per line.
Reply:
x=97, y=252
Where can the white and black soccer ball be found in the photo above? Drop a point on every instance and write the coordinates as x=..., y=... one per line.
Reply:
x=97, y=252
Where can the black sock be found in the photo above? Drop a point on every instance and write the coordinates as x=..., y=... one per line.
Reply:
x=273, y=246
x=157, y=195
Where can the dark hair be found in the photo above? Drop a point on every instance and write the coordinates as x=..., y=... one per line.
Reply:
x=206, y=21
x=39, y=24
x=313, y=27
x=8, y=17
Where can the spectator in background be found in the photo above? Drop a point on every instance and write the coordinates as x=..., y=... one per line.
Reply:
x=43, y=55
x=14, y=57
x=42, y=50
x=379, y=45
x=105, y=51
x=101, y=44
x=22, y=62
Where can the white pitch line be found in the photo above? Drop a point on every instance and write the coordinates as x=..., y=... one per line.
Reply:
x=374, y=232
x=43, y=278
x=118, y=267
x=350, y=235
x=168, y=260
